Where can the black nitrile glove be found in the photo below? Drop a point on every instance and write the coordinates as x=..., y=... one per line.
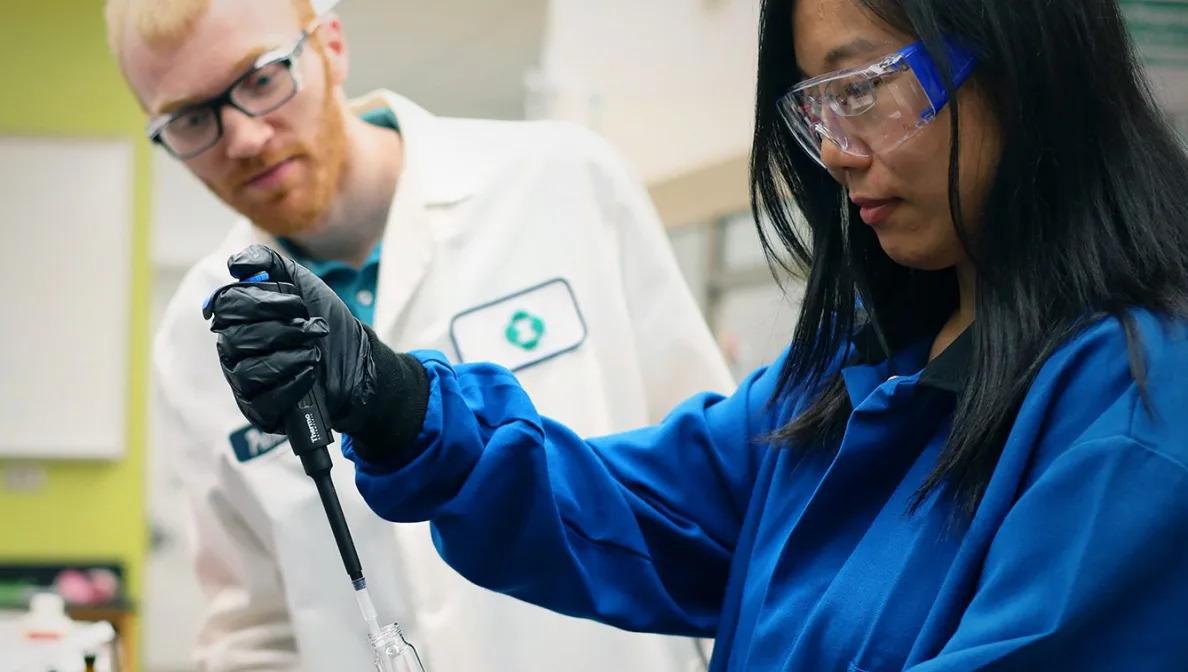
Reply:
x=272, y=346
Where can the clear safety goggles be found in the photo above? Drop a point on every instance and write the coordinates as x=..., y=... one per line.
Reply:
x=875, y=108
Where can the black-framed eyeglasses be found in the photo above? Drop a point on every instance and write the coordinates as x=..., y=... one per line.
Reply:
x=272, y=82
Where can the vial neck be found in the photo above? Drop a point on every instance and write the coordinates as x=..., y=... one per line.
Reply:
x=389, y=635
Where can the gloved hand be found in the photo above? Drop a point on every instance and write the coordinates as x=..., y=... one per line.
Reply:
x=273, y=346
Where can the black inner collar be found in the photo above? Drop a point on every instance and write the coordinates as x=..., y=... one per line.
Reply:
x=948, y=371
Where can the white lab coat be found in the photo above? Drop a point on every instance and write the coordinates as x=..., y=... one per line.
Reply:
x=483, y=211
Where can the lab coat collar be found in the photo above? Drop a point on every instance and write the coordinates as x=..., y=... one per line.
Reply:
x=947, y=372
x=439, y=171
x=445, y=171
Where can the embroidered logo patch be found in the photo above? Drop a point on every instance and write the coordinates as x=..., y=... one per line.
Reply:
x=521, y=329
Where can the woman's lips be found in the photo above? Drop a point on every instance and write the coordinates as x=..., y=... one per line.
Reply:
x=875, y=211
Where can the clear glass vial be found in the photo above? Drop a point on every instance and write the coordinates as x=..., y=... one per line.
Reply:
x=393, y=653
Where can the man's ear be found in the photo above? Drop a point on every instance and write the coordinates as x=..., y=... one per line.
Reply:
x=333, y=41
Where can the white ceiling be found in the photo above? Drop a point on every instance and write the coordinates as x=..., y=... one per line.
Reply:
x=454, y=57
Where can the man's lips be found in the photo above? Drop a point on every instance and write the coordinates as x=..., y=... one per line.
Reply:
x=271, y=177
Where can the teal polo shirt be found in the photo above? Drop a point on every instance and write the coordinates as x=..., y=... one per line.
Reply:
x=355, y=286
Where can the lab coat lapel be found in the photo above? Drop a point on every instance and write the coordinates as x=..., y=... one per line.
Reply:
x=407, y=253
x=409, y=236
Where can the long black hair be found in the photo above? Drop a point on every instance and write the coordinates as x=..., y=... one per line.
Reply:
x=1086, y=216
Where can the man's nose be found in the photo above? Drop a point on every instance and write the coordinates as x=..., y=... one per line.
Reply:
x=245, y=136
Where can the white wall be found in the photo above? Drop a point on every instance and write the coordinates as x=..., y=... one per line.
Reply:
x=454, y=57
x=669, y=82
x=187, y=220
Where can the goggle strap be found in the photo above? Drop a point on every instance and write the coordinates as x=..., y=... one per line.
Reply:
x=960, y=61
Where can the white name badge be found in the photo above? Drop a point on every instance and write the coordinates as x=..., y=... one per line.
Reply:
x=522, y=329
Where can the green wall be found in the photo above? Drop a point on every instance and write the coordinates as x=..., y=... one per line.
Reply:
x=59, y=80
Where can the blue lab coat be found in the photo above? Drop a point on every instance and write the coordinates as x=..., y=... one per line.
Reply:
x=794, y=559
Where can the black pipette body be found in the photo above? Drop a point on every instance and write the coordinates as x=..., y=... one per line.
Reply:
x=309, y=434
x=304, y=425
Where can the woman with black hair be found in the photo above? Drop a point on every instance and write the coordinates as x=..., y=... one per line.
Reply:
x=974, y=453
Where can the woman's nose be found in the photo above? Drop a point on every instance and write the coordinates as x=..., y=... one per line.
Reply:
x=838, y=160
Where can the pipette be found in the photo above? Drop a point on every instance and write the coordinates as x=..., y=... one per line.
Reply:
x=309, y=435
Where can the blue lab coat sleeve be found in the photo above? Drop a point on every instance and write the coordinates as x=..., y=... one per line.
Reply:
x=634, y=529
x=1087, y=570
